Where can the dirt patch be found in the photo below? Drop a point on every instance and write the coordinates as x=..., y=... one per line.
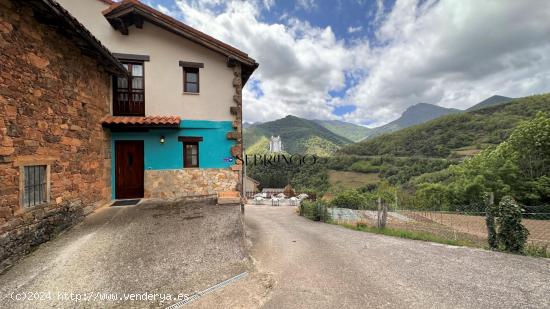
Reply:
x=539, y=230
x=351, y=180
x=448, y=225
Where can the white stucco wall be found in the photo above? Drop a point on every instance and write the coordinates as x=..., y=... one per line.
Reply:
x=163, y=75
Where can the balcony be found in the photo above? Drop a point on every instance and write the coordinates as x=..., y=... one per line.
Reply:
x=129, y=107
x=129, y=92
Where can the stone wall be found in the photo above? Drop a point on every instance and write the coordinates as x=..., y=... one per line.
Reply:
x=181, y=183
x=237, y=112
x=51, y=100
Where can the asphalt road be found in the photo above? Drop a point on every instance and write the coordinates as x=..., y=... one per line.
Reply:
x=317, y=265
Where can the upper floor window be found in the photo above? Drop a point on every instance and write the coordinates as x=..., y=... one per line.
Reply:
x=129, y=92
x=191, y=76
x=35, y=185
x=191, y=80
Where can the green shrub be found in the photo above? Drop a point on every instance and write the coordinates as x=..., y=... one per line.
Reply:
x=511, y=234
x=361, y=226
x=433, y=196
x=537, y=251
x=311, y=193
x=364, y=167
x=349, y=199
x=369, y=188
x=316, y=211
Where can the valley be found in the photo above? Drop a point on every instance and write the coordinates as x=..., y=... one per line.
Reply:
x=325, y=137
x=446, y=163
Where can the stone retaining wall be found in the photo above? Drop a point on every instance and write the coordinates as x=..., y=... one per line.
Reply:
x=180, y=183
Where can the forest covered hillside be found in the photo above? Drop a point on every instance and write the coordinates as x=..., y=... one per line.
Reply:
x=413, y=115
x=492, y=101
x=448, y=135
x=298, y=135
x=353, y=132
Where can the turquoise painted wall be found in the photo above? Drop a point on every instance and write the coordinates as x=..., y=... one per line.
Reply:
x=214, y=148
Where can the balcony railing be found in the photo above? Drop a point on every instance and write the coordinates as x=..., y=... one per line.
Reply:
x=128, y=108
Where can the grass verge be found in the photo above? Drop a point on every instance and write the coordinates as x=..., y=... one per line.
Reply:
x=537, y=251
x=416, y=235
x=530, y=250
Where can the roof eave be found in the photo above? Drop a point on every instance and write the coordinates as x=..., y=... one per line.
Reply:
x=124, y=14
x=53, y=14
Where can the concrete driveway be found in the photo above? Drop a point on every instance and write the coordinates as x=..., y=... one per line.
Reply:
x=318, y=265
x=162, y=248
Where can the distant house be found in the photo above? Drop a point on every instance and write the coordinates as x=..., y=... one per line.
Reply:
x=176, y=120
x=275, y=144
x=250, y=186
x=55, y=84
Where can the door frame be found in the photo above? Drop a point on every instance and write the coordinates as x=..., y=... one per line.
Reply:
x=117, y=192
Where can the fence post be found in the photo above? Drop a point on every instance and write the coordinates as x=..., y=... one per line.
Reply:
x=384, y=215
x=396, y=205
x=378, y=213
x=490, y=221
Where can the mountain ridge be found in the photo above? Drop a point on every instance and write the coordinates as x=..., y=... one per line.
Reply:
x=490, y=101
x=348, y=130
x=413, y=115
x=455, y=134
x=298, y=136
x=323, y=137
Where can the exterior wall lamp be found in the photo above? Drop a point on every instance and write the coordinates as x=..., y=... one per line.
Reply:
x=162, y=139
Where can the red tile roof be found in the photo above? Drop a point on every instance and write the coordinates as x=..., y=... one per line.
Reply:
x=119, y=9
x=147, y=121
x=178, y=24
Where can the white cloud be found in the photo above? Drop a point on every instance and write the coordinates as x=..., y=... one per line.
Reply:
x=380, y=11
x=354, y=29
x=268, y=4
x=306, y=4
x=299, y=63
x=453, y=53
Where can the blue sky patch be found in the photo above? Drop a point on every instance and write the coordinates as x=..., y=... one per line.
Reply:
x=345, y=109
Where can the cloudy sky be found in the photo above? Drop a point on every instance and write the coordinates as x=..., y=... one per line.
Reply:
x=365, y=61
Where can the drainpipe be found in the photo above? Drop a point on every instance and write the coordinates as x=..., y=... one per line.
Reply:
x=243, y=173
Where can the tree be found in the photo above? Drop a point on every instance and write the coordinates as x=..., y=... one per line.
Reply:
x=433, y=196
x=530, y=142
x=288, y=191
x=511, y=234
x=518, y=167
x=349, y=199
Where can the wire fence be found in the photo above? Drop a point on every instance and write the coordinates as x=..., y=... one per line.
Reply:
x=459, y=226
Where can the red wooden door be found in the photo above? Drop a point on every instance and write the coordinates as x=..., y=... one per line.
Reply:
x=129, y=169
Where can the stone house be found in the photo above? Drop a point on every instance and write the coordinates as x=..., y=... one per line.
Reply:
x=175, y=122
x=55, y=84
x=250, y=186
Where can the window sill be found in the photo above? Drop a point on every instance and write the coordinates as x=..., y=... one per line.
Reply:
x=191, y=93
x=23, y=209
